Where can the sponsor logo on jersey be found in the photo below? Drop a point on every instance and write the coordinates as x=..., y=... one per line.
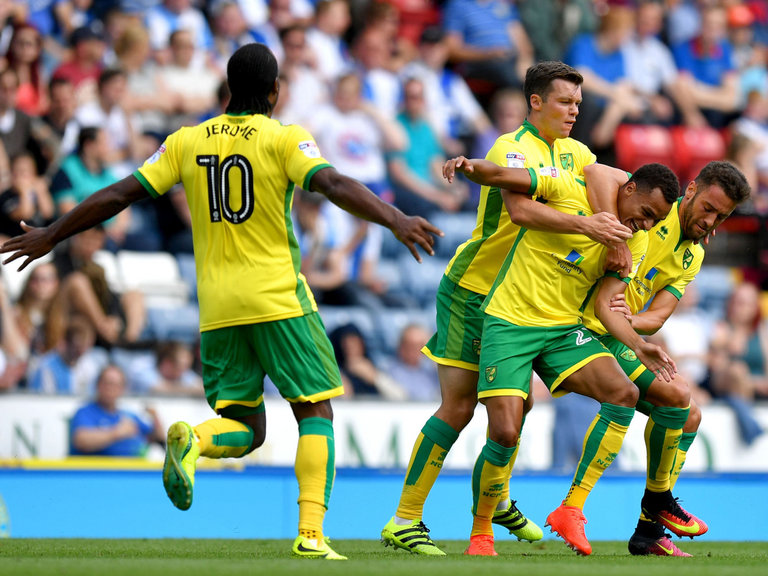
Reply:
x=566, y=161
x=550, y=171
x=651, y=274
x=515, y=160
x=574, y=257
x=662, y=232
x=310, y=149
x=156, y=156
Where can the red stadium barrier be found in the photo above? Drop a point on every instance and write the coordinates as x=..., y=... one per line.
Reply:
x=637, y=144
x=694, y=148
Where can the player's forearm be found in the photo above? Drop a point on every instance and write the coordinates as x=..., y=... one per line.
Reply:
x=615, y=322
x=603, y=184
x=526, y=212
x=647, y=322
x=487, y=173
x=97, y=208
x=94, y=439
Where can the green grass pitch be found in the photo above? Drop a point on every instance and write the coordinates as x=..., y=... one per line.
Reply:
x=37, y=557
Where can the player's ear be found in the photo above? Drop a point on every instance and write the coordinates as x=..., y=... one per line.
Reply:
x=690, y=190
x=536, y=102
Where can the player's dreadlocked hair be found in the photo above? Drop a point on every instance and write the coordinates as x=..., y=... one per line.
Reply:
x=251, y=74
x=650, y=176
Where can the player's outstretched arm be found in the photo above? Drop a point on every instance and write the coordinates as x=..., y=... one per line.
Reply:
x=651, y=320
x=653, y=357
x=354, y=197
x=100, y=206
x=487, y=173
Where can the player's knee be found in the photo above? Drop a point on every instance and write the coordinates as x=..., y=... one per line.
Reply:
x=623, y=396
x=679, y=395
x=694, y=419
x=258, y=439
x=507, y=436
x=458, y=412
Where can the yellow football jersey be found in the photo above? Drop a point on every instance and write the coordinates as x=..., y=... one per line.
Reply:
x=671, y=263
x=546, y=277
x=238, y=173
x=477, y=261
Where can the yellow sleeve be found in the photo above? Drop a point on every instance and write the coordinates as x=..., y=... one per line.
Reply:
x=696, y=255
x=161, y=171
x=554, y=184
x=302, y=156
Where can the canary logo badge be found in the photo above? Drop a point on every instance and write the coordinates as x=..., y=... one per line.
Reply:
x=566, y=161
x=490, y=373
x=628, y=355
x=687, y=258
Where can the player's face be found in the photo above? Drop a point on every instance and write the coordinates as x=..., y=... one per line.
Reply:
x=703, y=209
x=640, y=211
x=557, y=114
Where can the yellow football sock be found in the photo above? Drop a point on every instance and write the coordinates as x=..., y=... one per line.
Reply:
x=662, y=437
x=682, y=452
x=315, y=471
x=223, y=438
x=488, y=479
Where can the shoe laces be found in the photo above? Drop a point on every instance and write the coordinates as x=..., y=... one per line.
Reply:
x=513, y=509
x=576, y=513
x=423, y=527
x=677, y=510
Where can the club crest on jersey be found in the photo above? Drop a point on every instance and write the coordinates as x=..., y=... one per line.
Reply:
x=515, y=160
x=490, y=374
x=566, y=161
x=628, y=355
x=310, y=149
x=156, y=156
x=687, y=258
x=476, y=346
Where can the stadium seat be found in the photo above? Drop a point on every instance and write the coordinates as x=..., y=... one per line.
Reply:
x=188, y=272
x=156, y=275
x=390, y=326
x=14, y=278
x=694, y=148
x=108, y=261
x=422, y=279
x=637, y=144
x=457, y=228
x=180, y=323
x=715, y=284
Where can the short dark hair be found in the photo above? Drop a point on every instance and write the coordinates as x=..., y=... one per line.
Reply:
x=87, y=134
x=728, y=177
x=539, y=78
x=251, y=75
x=109, y=74
x=650, y=176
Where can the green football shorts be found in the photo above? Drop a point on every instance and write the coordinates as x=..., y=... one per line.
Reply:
x=510, y=353
x=295, y=353
x=459, y=327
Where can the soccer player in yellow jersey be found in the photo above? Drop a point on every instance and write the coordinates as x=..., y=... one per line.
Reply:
x=553, y=92
x=533, y=323
x=673, y=259
x=257, y=313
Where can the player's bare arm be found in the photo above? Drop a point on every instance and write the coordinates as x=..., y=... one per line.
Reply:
x=652, y=356
x=100, y=206
x=651, y=320
x=354, y=197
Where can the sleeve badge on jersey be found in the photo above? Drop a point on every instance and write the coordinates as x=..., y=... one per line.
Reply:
x=515, y=160
x=156, y=156
x=310, y=149
x=549, y=171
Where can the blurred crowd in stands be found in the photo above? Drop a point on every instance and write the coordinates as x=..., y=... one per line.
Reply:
x=390, y=88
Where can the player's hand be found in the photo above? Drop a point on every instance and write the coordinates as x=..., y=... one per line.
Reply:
x=619, y=304
x=657, y=361
x=619, y=259
x=415, y=230
x=706, y=238
x=34, y=243
x=458, y=164
x=606, y=229
x=126, y=428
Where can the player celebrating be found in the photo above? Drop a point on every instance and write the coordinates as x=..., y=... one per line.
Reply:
x=257, y=313
x=673, y=259
x=553, y=92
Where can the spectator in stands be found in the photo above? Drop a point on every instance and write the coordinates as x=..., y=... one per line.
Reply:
x=708, y=72
x=84, y=172
x=169, y=374
x=14, y=349
x=416, y=171
x=381, y=85
x=552, y=24
x=280, y=17
x=27, y=199
x=73, y=367
x=170, y=16
x=384, y=16
x=609, y=96
x=33, y=310
x=306, y=90
x=101, y=428
x=84, y=291
x=739, y=357
x=192, y=86
x=488, y=42
x=25, y=54
x=109, y=112
x=86, y=61
x=652, y=72
x=573, y=413
x=749, y=148
x=359, y=374
x=57, y=130
x=749, y=55
x=416, y=373
x=230, y=31
x=326, y=38
x=452, y=109
x=15, y=126
x=683, y=20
